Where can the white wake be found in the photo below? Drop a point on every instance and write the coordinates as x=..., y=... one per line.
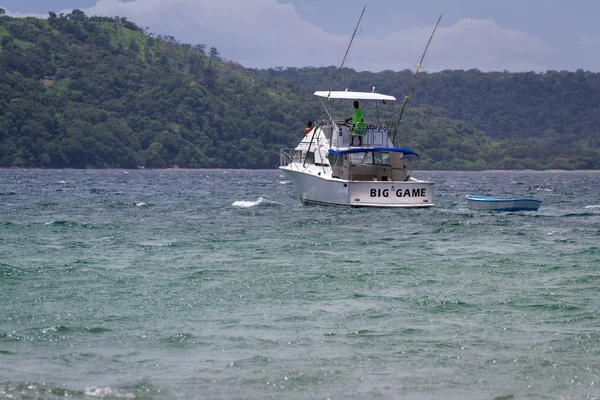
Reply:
x=246, y=204
x=260, y=200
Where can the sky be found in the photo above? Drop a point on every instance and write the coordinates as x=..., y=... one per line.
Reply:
x=489, y=35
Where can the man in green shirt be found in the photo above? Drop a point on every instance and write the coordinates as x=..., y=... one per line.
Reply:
x=357, y=117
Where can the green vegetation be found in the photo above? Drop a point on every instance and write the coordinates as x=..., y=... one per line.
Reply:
x=99, y=92
x=473, y=120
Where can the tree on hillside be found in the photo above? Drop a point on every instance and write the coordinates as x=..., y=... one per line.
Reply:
x=2, y=11
x=76, y=15
x=199, y=47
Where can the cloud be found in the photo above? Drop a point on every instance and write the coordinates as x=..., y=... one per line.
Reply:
x=266, y=33
x=482, y=44
x=15, y=14
x=256, y=33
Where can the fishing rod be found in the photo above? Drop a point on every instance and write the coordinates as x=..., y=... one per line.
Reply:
x=347, y=51
x=414, y=80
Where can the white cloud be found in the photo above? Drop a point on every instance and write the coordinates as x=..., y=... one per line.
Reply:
x=265, y=33
x=252, y=32
x=482, y=44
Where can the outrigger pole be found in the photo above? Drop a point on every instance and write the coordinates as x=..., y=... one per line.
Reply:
x=414, y=80
x=347, y=51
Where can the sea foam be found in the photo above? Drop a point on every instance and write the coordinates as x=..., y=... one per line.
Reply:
x=246, y=204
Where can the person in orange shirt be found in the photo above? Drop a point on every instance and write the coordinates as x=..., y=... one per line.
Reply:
x=308, y=128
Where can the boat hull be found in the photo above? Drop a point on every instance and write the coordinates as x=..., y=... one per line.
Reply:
x=481, y=203
x=332, y=191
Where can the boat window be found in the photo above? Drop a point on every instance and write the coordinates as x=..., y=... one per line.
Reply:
x=335, y=159
x=377, y=158
x=381, y=158
x=310, y=157
x=357, y=158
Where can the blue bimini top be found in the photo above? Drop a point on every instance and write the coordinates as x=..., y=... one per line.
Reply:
x=367, y=149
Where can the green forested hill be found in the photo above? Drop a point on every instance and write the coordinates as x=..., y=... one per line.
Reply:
x=98, y=92
x=80, y=92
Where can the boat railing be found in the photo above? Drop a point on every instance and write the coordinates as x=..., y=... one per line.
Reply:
x=285, y=157
x=372, y=135
x=376, y=135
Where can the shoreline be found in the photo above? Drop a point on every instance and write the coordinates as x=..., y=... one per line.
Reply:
x=275, y=169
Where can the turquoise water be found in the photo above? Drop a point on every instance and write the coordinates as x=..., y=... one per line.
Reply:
x=221, y=285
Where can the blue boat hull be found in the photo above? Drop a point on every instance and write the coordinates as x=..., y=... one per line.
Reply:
x=482, y=203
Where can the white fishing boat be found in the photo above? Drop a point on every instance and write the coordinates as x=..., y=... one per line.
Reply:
x=325, y=169
x=482, y=203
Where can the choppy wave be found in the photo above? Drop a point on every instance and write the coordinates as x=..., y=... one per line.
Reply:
x=48, y=204
x=237, y=290
x=103, y=392
x=157, y=242
x=36, y=390
x=248, y=204
x=578, y=214
x=69, y=224
x=11, y=267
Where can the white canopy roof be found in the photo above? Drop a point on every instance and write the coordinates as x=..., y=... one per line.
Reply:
x=353, y=95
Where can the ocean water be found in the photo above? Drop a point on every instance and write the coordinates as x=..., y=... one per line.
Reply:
x=220, y=284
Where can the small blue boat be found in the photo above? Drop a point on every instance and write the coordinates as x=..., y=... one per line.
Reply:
x=493, y=204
